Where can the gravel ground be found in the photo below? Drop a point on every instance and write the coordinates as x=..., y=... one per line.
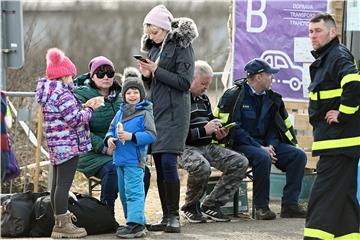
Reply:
x=241, y=228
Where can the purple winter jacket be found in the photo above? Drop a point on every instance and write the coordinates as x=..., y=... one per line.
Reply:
x=66, y=121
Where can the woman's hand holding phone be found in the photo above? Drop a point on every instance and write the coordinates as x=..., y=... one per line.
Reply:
x=147, y=68
x=140, y=58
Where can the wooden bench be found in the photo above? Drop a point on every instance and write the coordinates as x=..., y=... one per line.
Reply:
x=94, y=184
x=300, y=117
x=215, y=176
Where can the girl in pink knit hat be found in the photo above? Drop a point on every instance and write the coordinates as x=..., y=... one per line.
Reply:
x=67, y=135
x=167, y=73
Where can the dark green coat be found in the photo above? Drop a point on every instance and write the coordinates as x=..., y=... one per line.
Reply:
x=92, y=161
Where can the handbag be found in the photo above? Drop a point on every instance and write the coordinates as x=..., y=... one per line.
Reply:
x=16, y=216
x=91, y=214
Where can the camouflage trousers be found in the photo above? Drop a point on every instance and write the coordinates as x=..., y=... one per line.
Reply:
x=197, y=161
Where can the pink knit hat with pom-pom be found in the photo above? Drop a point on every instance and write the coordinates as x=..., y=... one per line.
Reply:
x=58, y=65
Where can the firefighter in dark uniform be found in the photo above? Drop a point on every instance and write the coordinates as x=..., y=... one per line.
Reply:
x=265, y=135
x=333, y=210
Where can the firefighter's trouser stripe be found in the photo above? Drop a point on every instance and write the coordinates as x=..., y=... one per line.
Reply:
x=315, y=233
x=351, y=236
x=358, y=183
x=333, y=209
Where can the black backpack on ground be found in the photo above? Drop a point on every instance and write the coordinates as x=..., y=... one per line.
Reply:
x=91, y=214
x=16, y=216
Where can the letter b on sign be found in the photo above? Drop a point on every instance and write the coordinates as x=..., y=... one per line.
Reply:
x=252, y=15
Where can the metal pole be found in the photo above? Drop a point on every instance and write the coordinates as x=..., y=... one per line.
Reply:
x=3, y=56
x=3, y=73
x=27, y=160
x=217, y=76
x=19, y=94
x=344, y=23
x=14, y=145
x=216, y=90
x=37, y=154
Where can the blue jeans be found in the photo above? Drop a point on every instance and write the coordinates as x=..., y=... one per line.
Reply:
x=290, y=160
x=109, y=187
x=166, y=167
x=132, y=194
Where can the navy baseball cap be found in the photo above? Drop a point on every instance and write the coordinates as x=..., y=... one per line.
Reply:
x=258, y=65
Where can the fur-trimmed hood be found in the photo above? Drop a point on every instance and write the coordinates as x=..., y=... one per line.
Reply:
x=183, y=32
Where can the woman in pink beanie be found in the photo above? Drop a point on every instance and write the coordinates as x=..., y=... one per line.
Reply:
x=67, y=135
x=168, y=72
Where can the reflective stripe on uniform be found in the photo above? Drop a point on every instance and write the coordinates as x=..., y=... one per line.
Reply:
x=336, y=143
x=222, y=116
x=316, y=233
x=326, y=94
x=351, y=236
x=349, y=78
x=216, y=112
x=348, y=110
x=289, y=135
x=288, y=122
x=217, y=143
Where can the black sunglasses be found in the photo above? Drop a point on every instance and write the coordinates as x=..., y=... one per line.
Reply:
x=101, y=74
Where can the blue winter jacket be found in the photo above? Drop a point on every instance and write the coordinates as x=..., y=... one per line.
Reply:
x=139, y=120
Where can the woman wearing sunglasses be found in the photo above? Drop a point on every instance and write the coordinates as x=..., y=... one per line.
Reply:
x=99, y=81
x=98, y=162
x=168, y=72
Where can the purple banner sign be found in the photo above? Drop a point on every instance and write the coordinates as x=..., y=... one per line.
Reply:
x=276, y=31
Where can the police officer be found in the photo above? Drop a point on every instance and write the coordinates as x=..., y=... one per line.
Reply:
x=265, y=135
x=333, y=211
x=201, y=154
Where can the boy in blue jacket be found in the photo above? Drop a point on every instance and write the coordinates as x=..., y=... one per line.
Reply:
x=130, y=133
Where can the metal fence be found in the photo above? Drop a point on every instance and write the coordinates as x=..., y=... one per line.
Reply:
x=26, y=133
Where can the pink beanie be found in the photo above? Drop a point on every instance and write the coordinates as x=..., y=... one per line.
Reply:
x=58, y=65
x=159, y=16
x=97, y=62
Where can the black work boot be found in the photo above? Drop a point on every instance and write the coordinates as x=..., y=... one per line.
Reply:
x=161, y=225
x=292, y=211
x=172, y=203
x=264, y=214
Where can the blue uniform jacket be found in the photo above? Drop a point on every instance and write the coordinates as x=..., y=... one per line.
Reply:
x=252, y=130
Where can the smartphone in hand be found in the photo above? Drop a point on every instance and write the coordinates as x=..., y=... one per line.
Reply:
x=141, y=58
x=230, y=125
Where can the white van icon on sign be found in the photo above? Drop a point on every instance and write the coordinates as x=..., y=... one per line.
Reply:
x=282, y=61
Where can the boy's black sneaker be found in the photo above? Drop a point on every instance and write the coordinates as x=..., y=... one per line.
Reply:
x=193, y=215
x=214, y=213
x=132, y=230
